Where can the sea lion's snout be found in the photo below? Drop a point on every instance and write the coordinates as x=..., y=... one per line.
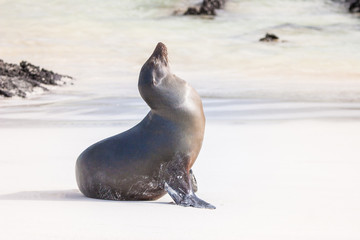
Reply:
x=160, y=52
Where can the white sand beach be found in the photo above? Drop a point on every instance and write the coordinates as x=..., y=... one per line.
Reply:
x=295, y=179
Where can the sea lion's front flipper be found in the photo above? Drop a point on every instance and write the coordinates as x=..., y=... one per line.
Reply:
x=187, y=200
x=178, y=184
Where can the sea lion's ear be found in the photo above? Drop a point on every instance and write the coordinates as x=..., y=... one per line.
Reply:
x=154, y=82
x=158, y=74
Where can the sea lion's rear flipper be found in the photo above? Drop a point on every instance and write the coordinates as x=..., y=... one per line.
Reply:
x=193, y=181
x=178, y=184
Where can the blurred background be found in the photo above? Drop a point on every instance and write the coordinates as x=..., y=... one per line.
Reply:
x=103, y=44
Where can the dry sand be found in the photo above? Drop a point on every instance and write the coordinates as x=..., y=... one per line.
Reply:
x=268, y=180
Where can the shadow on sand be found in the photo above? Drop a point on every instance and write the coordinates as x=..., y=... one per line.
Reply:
x=60, y=195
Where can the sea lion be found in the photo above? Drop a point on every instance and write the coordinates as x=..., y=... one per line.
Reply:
x=156, y=155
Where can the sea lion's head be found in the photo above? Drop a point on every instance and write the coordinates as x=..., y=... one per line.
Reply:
x=157, y=85
x=156, y=67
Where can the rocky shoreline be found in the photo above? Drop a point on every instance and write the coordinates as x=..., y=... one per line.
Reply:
x=209, y=7
x=25, y=78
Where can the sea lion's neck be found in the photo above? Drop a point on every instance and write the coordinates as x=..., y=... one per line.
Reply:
x=183, y=104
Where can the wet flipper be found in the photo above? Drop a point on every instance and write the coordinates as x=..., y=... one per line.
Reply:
x=178, y=184
x=187, y=200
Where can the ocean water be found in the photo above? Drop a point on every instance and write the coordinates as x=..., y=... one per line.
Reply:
x=103, y=44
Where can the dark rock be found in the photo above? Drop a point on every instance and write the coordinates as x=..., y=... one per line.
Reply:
x=20, y=80
x=355, y=7
x=5, y=93
x=269, y=37
x=192, y=11
x=207, y=7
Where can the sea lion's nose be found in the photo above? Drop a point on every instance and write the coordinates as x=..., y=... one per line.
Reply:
x=160, y=52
